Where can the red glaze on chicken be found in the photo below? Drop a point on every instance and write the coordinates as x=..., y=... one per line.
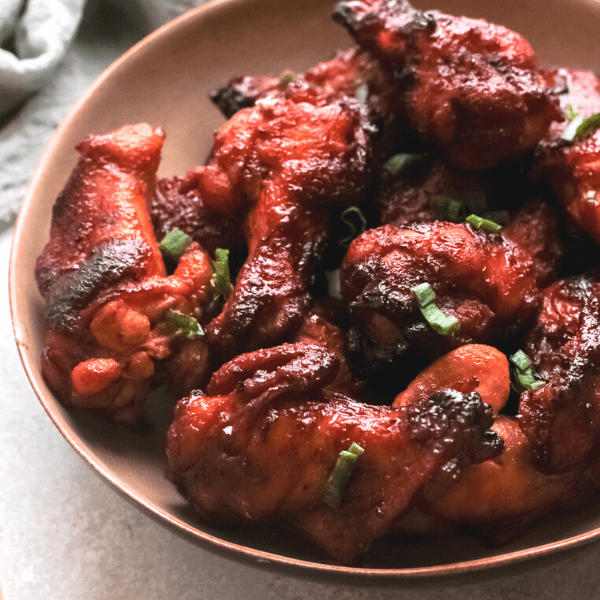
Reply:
x=263, y=442
x=287, y=162
x=485, y=280
x=103, y=279
x=469, y=87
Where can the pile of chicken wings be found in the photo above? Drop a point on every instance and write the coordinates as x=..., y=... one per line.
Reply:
x=409, y=340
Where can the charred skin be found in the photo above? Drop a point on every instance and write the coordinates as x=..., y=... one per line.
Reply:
x=562, y=418
x=573, y=171
x=262, y=443
x=103, y=279
x=497, y=498
x=351, y=73
x=487, y=281
x=287, y=164
x=469, y=87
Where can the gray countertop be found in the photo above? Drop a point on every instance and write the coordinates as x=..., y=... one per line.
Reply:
x=65, y=535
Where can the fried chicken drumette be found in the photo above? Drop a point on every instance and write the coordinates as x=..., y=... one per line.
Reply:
x=264, y=441
x=469, y=87
x=103, y=279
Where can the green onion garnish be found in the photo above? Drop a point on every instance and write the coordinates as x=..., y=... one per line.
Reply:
x=501, y=217
x=424, y=294
x=581, y=128
x=523, y=378
x=449, y=207
x=338, y=480
x=362, y=93
x=571, y=114
x=398, y=162
x=481, y=223
x=439, y=322
x=286, y=78
x=182, y=323
x=221, y=280
x=349, y=217
x=175, y=243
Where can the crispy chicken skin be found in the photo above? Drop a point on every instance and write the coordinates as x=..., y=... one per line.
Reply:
x=497, y=498
x=287, y=162
x=573, y=171
x=263, y=441
x=103, y=279
x=469, y=87
x=351, y=73
x=562, y=418
x=487, y=281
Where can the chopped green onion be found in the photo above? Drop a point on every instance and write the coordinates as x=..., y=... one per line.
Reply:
x=348, y=220
x=481, y=223
x=571, y=114
x=338, y=480
x=221, y=280
x=286, y=77
x=442, y=324
x=439, y=322
x=362, y=93
x=186, y=324
x=588, y=126
x=424, y=294
x=523, y=378
x=501, y=217
x=591, y=195
x=449, y=207
x=398, y=162
x=581, y=127
x=175, y=243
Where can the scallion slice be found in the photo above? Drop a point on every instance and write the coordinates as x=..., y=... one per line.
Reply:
x=221, y=280
x=181, y=323
x=523, y=378
x=439, y=322
x=349, y=217
x=451, y=208
x=338, y=480
x=481, y=223
x=174, y=244
x=398, y=162
x=581, y=127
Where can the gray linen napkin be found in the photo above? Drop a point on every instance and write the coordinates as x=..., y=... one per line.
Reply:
x=50, y=52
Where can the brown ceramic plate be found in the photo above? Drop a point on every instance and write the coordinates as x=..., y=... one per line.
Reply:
x=164, y=81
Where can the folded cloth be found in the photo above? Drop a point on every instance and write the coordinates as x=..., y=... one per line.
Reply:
x=46, y=64
x=39, y=33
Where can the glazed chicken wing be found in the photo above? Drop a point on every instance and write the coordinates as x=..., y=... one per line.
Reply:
x=103, y=279
x=286, y=163
x=497, y=498
x=470, y=88
x=485, y=280
x=562, y=417
x=263, y=442
x=573, y=170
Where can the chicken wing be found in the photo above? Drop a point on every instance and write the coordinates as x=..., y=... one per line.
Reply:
x=263, y=442
x=287, y=163
x=485, y=280
x=103, y=279
x=469, y=87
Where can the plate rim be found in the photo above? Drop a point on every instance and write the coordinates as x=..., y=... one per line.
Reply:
x=414, y=576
